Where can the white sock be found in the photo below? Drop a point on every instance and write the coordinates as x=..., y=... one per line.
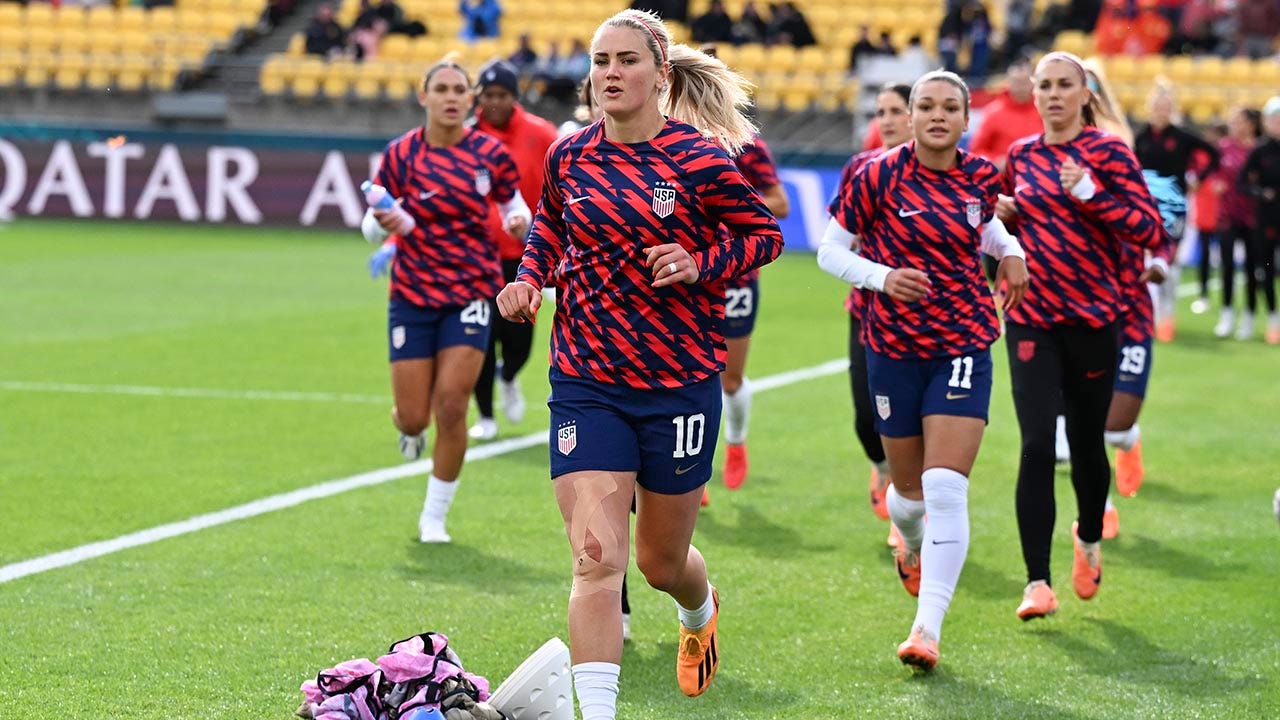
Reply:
x=946, y=543
x=737, y=411
x=596, y=685
x=696, y=619
x=1168, y=293
x=439, y=498
x=1123, y=439
x=908, y=515
x=1061, y=448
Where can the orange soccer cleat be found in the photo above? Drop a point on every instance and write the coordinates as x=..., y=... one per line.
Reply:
x=1038, y=601
x=1129, y=470
x=1165, y=330
x=908, y=564
x=1110, y=523
x=920, y=649
x=698, y=657
x=706, y=496
x=735, y=466
x=1086, y=569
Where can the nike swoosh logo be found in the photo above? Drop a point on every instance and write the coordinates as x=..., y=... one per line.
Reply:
x=1020, y=188
x=1095, y=374
x=905, y=213
x=681, y=471
x=1128, y=378
x=576, y=200
x=945, y=542
x=428, y=195
x=472, y=331
x=951, y=396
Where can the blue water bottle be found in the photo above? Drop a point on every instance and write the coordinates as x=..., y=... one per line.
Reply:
x=422, y=713
x=377, y=196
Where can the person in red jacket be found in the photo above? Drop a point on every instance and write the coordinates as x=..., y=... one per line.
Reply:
x=527, y=138
x=1009, y=118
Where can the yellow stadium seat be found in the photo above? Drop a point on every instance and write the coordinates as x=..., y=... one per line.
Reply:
x=74, y=42
x=102, y=71
x=39, y=69
x=335, y=87
x=10, y=15
x=367, y=88
x=395, y=47
x=297, y=45
x=1181, y=69
x=1149, y=68
x=400, y=88
x=768, y=99
x=1209, y=70
x=131, y=18
x=162, y=19
x=70, y=72
x=135, y=41
x=192, y=21
x=39, y=15
x=12, y=38
x=69, y=19
x=223, y=25
x=781, y=58
x=41, y=39
x=100, y=17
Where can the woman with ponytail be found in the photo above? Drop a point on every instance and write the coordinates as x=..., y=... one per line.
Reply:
x=1077, y=195
x=633, y=206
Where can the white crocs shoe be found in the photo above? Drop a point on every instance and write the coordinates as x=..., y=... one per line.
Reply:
x=411, y=446
x=484, y=429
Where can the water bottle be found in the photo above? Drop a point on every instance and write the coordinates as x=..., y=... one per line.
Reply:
x=377, y=196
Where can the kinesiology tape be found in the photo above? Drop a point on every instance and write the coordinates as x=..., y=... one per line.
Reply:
x=589, y=521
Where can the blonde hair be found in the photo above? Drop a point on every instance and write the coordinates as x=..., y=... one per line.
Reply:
x=1163, y=88
x=703, y=91
x=585, y=111
x=940, y=76
x=1108, y=116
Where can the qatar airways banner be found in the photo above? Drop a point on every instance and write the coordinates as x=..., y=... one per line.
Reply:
x=250, y=185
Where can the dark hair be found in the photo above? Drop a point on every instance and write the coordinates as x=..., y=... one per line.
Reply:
x=1254, y=117
x=902, y=89
x=448, y=63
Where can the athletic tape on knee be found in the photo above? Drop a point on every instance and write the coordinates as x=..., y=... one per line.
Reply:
x=588, y=519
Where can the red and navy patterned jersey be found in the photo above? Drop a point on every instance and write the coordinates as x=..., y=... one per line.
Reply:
x=602, y=204
x=758, y=167
x=1138, y=320
x=449, y=260
x=1074, y=249
x=857, y=300
x=909, y=216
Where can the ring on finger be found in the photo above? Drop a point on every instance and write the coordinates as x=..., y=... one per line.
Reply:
x=672, y=268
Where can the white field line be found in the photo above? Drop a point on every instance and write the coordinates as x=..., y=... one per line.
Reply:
x=290, y=499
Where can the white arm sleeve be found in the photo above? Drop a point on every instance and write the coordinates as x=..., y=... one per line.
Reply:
x=372, y=231
x=515, y=208
x=998, y=243
x=836, y=257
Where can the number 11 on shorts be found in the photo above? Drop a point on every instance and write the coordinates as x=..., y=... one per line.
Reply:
x=962, y=373
x=689, y=431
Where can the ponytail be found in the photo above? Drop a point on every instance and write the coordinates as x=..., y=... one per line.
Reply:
x=703, y=91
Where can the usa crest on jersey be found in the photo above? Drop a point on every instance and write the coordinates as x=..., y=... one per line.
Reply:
x=882, y=407
x=397, y=337
x=483, y=183
x=973, y=212
x=664, y=199
x=567, y=438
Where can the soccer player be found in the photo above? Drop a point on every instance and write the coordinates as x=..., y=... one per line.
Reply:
x=1135, y=325
x=446, y=268
x=1235, y=221
x=1261, y=177
x=894, y=121
x=1077, y=195
x=634, y=205
x=526, y=137
x=1165, y=152
x=920, y=214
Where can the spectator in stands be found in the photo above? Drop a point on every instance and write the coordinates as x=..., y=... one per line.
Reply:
x=1259, y=23
x=525, y=58
x=979, y=37
x=914, y=60
x=1017, y=26
x=480, y=19
x=559, y=75
x=674, y=10
x=273, y=13
x=1194, y=31
x=715, y=26
x=885, y=46
x=365, y=40
x=393, y=14
x=862, y=48
x=750, y=27
x=1010, y=117
x=788, y=26
x=325, y=36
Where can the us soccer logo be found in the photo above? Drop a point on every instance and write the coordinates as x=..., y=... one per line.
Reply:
x=483, y=185
x=882, y=407
x=664, y=199
x=1026, y=350
x=973, y=212
x=567, y=438
x=397, y=337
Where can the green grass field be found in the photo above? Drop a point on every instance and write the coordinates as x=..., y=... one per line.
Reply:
x=99, y=323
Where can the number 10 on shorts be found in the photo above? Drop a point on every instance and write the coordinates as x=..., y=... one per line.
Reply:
x=689, y=432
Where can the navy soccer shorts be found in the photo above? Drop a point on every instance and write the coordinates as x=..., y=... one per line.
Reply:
x=416, y=332
x=667, y=436
x=903, y=392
